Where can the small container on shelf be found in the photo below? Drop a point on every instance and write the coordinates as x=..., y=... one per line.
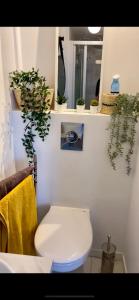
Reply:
x=115, y=86
x=61, y=103
x=80, y=105
x=17, y=94
x=108, y=103
x=94, y=106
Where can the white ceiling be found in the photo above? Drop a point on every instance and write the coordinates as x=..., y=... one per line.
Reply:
x=82, y=33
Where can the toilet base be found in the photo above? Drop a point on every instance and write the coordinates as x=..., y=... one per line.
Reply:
x=68, y=267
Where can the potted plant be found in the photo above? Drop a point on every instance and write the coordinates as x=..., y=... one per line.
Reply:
x=94, y=106
x=61, y=103
x=35, y=109
x=122, y=129
x=18, y=78
x=80, y=104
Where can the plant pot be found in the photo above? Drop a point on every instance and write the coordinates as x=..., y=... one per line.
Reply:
x=80, y=108
x=50, y=96
x=17, y=93
x=62, y=107
x=93, y=109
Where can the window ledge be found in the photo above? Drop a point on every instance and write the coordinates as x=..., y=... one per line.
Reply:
x=71, y=112
x=74, y=112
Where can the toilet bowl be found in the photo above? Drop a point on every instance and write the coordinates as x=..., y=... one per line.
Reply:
x=65, y=234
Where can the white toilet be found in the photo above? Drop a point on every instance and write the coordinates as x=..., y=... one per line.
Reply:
x=65, y=235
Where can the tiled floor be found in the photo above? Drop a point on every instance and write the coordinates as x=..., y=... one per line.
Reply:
x=93, y=265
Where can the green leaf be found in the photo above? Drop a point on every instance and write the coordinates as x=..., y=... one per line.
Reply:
x=122, y=129
x=34, y=107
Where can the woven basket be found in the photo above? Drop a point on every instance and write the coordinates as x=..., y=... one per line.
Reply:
x=17, y=93
x=108, y=103
x=108, y=110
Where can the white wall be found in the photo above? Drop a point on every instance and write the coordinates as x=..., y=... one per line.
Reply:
x=132, y=229
x=28, y=38
x=45, y=59
x=7, y=64
x=121, y=48
x=85, y=179
x=80, y=179
x=121, y=56
x=35, y=47
x=21, y=48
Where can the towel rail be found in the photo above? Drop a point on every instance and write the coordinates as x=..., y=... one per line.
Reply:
x=7, y=184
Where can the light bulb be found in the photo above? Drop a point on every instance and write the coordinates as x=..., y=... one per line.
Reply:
x=94, y=29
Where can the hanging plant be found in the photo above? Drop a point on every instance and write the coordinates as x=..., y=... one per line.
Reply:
x=35, y=109
x=123, y=129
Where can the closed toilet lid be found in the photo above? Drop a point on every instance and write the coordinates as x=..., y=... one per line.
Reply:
x=65, y=234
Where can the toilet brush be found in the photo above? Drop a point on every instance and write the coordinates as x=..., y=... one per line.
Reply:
x=108, y=256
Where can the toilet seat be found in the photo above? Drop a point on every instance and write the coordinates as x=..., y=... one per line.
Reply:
x=65, y=234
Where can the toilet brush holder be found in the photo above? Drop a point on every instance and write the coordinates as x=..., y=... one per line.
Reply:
x=108, y=256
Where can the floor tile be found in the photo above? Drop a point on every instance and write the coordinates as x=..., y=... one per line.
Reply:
x=93, y=265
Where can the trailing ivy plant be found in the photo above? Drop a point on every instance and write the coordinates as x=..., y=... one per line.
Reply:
x=35, y=109
x=123, y=129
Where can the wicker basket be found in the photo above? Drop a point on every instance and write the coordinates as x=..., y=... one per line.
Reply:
x=17, y=93
x=108, y=103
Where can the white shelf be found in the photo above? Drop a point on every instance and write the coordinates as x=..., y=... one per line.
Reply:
x=71, y=112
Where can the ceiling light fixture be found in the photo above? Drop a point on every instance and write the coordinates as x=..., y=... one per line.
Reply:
x=94, y=29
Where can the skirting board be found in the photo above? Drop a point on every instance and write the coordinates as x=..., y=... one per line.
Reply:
x=119, y=256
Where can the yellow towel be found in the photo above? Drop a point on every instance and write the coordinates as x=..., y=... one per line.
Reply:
x=18, y=219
